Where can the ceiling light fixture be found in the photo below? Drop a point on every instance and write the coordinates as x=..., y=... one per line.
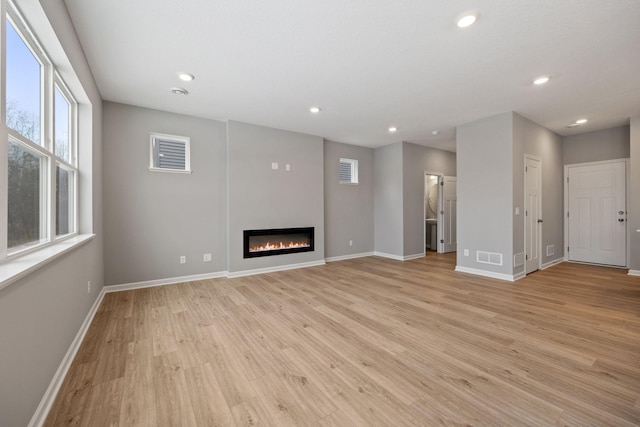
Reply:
x=179, y=91
x=541, y=80
x=573, y=125
x=186, y=77
x=435, y=132
x=467, y=20
x=581, y=121
x=393, y=129
x=315, y=110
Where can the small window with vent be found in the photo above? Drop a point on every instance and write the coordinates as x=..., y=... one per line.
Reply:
x=170, y=153
x=348, y=173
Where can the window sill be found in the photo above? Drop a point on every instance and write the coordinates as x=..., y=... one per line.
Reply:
x=15, y=269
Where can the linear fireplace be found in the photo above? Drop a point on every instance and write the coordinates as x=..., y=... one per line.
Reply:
x=277, y=241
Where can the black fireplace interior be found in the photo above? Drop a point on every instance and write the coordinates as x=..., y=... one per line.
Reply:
x=277, y=241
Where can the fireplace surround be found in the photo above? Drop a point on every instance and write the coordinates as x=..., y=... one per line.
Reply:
x=277, y=241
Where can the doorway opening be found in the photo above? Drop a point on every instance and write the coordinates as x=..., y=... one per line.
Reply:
x=439, y=213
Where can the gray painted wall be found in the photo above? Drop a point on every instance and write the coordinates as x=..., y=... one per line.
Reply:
x=41, y=314
x=388, y=204
x=348, y=209
x=416, y=160
x=531, y=138
x=152, y=218
x=608, y=144
x=634, y=191
x=260, y=197
x=485, y=191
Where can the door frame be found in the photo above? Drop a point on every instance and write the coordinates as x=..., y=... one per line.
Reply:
x=538, y=225
x=424, y=210
x=565, y=212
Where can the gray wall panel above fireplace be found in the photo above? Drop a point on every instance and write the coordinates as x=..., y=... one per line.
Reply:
x=261, y=197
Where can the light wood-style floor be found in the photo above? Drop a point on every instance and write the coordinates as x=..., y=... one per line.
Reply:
x=361, y=343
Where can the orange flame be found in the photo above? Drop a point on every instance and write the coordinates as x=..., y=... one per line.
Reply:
x=278, y=245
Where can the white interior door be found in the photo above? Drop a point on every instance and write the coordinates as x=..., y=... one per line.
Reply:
x=533, y=214
x=597, y=213
x=447, y=223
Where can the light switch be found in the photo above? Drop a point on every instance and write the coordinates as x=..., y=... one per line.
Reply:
x=287, y=167
x=517, y=210
x=274, y=165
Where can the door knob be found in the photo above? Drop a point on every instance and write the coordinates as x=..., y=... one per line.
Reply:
x=539, y=221
x=620, y=219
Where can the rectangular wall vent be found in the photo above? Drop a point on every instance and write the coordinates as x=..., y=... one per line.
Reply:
x=551, y=250
x=493, y=258
x=518, y=259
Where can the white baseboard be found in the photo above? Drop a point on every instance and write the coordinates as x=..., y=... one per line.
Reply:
x=551, y=263
x=350, y=256
x=49, y=397
x=634, y=273
x=163, y=282
x=519, y=276
x=500, y=276
x=399, y=257
x=274, y=269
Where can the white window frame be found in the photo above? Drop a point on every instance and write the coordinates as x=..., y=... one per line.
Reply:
x=50, y=79
x=154, y=136
x=354, y=171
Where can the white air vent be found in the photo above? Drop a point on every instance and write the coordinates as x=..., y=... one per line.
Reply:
x=169, y=153
x=518, y=259
x=489, y=258
x=551, y=250
x=348, y=172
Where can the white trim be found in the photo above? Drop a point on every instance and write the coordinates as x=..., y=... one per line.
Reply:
x=500, y=276
x=519, y=276
x=16, y=268
x=49, y=397
x=163, y=282
x=242, y=273
x=399, y=257
x=634, y=273
x=346, y=257
x=551, y=263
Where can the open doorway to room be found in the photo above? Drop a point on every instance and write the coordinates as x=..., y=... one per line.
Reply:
x=439, y=213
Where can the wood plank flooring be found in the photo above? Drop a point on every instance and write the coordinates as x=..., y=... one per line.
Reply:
x=365, y=342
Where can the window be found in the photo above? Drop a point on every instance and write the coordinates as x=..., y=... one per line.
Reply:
x=40, y=135
x=169, y=153
x=348, y=172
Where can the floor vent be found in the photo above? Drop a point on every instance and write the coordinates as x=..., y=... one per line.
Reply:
x=489, y=258
x=551, y=250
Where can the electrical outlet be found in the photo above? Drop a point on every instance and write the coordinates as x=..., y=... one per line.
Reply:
x=183, y=259
x=206, y=257
x=350, y=242
x=466, y=252
x=287, y=167
x=89, y=287
x=274, y=166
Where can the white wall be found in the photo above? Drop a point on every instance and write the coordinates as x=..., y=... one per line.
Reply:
x=41, y=314
x=348, y=209
x=262, y=198
x=153, y=218
x=485, y=191
x=388, y=196
x=607, y=144
x=634, y=201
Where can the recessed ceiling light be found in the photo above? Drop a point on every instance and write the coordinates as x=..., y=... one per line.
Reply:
x=435, y=132
x=581, y=121
x=393, y=129
x=541, y=80
x=186, y=77
x=466, y=20
x=573, y=125
x=315, y=110
x=179, y=91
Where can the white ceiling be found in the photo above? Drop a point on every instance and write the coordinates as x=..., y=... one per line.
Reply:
x=369, y=63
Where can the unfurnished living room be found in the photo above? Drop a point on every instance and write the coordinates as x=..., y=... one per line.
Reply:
x=336, y=213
